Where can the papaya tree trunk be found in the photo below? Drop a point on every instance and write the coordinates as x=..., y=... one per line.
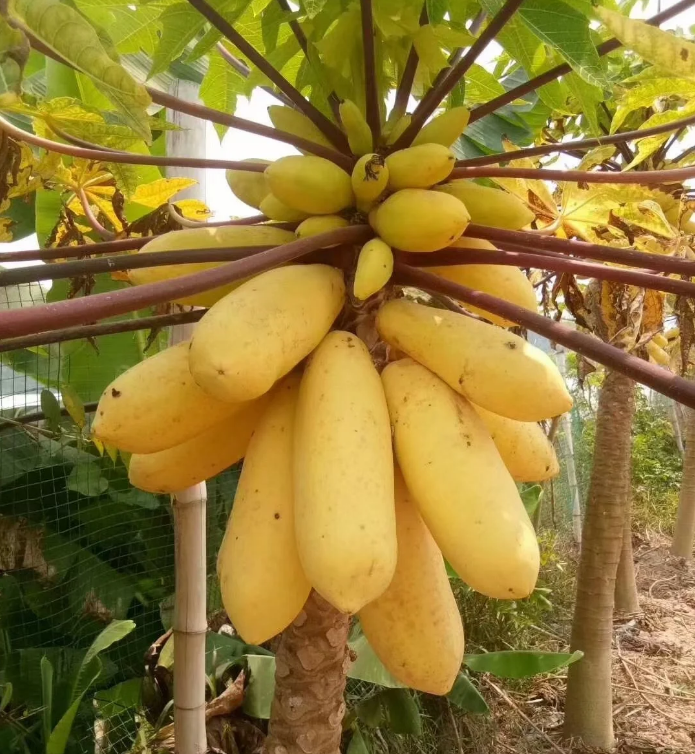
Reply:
x=588, y=708
x=311, y=662
x=684, y=530
x=626, y=594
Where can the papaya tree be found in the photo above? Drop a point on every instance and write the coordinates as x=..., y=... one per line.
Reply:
x=400, y=406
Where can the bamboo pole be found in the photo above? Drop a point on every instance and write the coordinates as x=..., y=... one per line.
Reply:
x=189, y=509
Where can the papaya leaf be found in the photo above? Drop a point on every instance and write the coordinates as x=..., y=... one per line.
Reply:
x=663, y=49
x=357, y=744
x=131, y=30
x=87, y=480
x=69, y=34
x=646, y=93
x=159, y=192
x=74, y=405
x=466, y=696
x=51, y=410
x=648, y=146
x=180, y=23
x=14, y=53
x=520, y=663
x=221, y=87
x=481, y=85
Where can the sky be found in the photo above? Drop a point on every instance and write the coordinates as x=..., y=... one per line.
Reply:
x=238, y=145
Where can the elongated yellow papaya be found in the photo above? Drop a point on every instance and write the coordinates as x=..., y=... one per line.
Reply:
x=508, y=283
x=359, y=134
x=419, y=167
x=310, y=184
x=313, y=226
x=261, y=579
x=660, y=340
x=415, y=627
x=344, y=505
x=445, y=128
x=200, y=458
x=374, y=268
x=205, y=238
x=276, y=210
x=156, y=404
x=263, y=329
x=491, y=367
x=293, y=122
x=250, y=187
x=464, y=493
x=657, y=353
x=418, y=220
x=525, y=449
x=490, y=206
x=369, y=178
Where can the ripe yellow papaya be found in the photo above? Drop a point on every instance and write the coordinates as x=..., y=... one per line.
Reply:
x=456, y=477
x=673, y=333
x=419, y=167
x=250, y=187
x=293, y=122
x=344, y=505
x=491, y=367
x=374, y=268
x=310, y=184
x=418, y=220
x=263, y=329
x=359, y=134
x=232, y=236
x=508, y=283
x=444, y=129
x=415, y=627
x=657, y=353
x=200, y=458
x=525, y=449
x=490, y=206
x=369, y=178
x=313, y=226
x=156, y=404
x=660, y=340
x=261, y=579
x=276, y=210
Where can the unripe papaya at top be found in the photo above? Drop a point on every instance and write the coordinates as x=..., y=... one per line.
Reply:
x=313, y=226
x=445, y=128
x=358, y=132
x=200, y=458
x=462, y=489
x=660, y=340
x=293, y=122
x=204, y=238
x=419, y=220
x=658, y=354
x=310, y=184
x=156, y=404
x=276, y=210
x=419, y=167
x=415, y=627
x=524, y=447
x=374, y=268
x=491, y=367
x=508, y=283
x=343, y=470
x=261, y=579
x=249, y=186
x=490, y=206
x=369, y=178
x=397, y=129
x=263, y=329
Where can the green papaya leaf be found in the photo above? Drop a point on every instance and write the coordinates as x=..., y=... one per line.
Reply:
x=357, y=744
x=74, y=405
x=51, y=410
x=466, y=696
x=86, y=479
x=402, y=711
x=70, y=35
x=14, y=53
x=670, y=53
x=520, y=663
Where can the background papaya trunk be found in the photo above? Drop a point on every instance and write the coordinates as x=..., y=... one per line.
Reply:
x=626, y=595
x=311, y=662
x=684, y=530
x=588, y=708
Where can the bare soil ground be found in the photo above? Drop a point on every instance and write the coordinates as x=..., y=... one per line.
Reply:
x=653, y=675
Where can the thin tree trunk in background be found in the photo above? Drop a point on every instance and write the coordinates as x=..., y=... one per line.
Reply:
x=567, y=455
x=189, y=505
x=311, y=663
x=684, y=529
x=588, y=707
x=675, y=417
x=626, y=594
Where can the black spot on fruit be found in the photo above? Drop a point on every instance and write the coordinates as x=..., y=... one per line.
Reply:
x=276, y=516
x=684, y=53
x=115, y=393
x=511, y=345
x=220, y=372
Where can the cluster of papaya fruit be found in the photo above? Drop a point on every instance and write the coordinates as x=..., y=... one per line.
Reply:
x=359, y=478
